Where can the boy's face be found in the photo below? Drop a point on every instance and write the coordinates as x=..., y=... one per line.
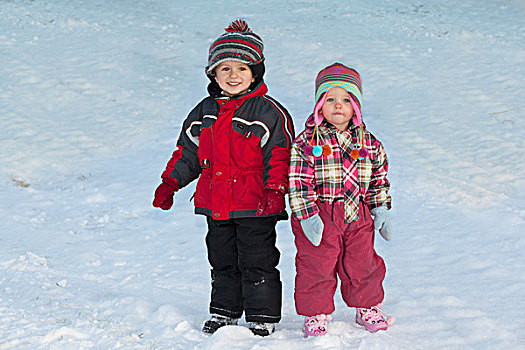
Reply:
x=337, y=108
x=234, y=78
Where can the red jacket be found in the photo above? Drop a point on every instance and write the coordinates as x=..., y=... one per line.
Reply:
x=238, y=146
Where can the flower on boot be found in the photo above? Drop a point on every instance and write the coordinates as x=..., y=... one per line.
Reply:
x=373, y=319
x=316, y=325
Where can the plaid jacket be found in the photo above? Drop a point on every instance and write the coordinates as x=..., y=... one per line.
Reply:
x=337, y=176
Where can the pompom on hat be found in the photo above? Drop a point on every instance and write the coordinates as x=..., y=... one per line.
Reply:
x=239, y=44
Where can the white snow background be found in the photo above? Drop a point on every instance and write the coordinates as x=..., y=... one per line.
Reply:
x=92, y=97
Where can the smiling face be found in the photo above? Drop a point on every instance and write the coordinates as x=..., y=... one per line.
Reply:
x=234, y=78
x=337, y=108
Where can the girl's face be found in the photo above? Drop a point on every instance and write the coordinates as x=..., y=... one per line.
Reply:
x=234, y=78
x=337, y=108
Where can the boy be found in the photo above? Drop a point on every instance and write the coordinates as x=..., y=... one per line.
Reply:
x=237, y=142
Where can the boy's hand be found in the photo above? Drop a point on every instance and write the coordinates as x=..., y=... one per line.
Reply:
x=164, y=196
x=382, y=222
x=313, y=229
x=271, y=203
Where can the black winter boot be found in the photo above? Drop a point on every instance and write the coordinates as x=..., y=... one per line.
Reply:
x=218, y=321
x=261, y=328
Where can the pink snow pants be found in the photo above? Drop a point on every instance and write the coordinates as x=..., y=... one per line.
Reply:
x=347, y=251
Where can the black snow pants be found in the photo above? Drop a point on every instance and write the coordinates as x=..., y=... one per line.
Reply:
x=244, y=258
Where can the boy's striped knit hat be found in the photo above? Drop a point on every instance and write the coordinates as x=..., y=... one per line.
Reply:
x=239, y=44
x=339, y=75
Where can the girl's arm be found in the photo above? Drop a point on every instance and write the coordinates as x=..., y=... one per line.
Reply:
x=379, y=184
x=302, y=184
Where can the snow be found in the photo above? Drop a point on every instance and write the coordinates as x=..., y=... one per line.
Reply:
x=92, y=98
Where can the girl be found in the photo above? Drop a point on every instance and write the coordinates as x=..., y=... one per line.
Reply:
x=337, y=179
x=237, y=142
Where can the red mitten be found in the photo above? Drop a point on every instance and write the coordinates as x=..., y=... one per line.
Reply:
x=272, y=203
x=164, y=196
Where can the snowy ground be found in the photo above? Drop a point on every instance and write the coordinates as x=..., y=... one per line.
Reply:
x=92, y=96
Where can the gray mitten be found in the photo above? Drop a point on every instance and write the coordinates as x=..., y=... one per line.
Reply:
x=382, y=222
x=313, y=229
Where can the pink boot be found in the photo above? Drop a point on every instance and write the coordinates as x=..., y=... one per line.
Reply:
x=316, y=325
x=374, y=319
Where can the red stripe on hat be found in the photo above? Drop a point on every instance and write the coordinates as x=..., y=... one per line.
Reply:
x=238, y=41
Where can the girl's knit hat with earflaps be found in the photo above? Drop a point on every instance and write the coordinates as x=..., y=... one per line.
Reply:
x=337, y=75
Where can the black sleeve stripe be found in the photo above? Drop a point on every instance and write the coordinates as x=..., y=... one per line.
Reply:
x=287, y=125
